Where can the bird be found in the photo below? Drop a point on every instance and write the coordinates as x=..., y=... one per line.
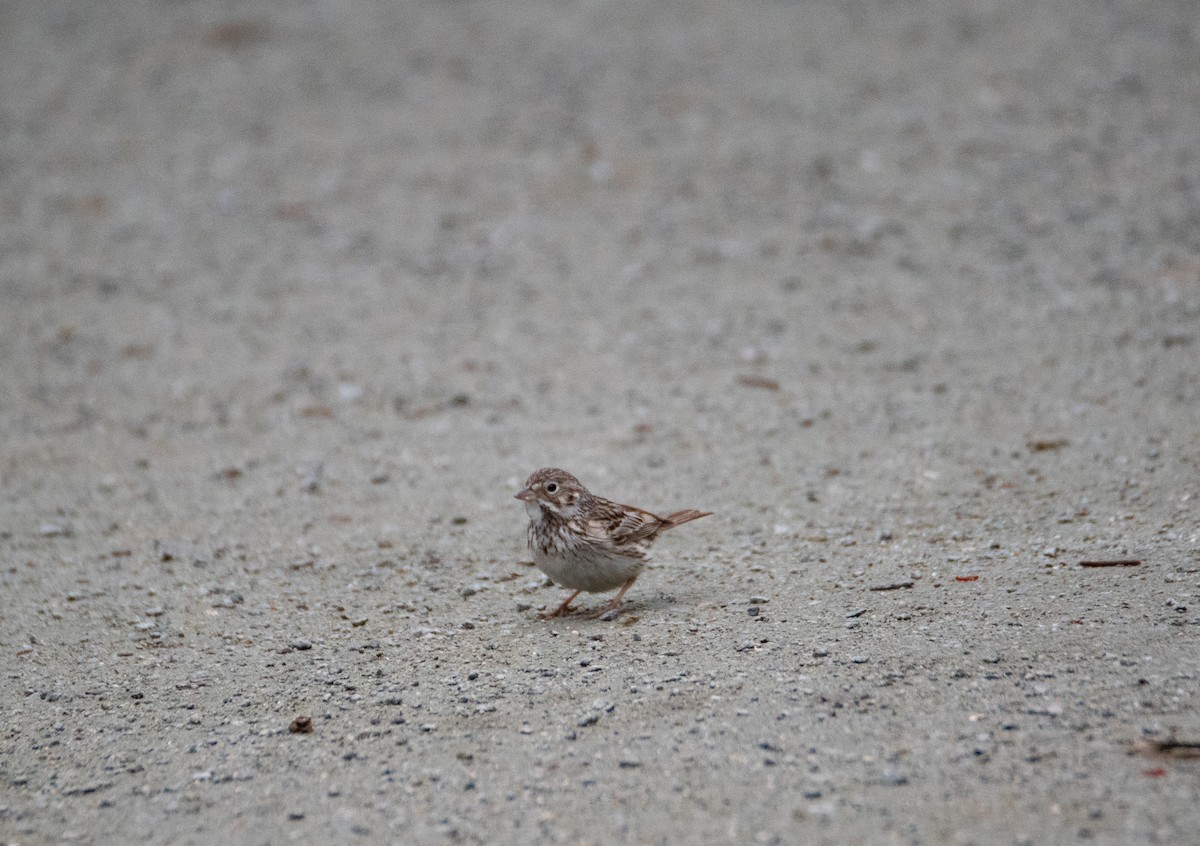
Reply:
x=584, y=542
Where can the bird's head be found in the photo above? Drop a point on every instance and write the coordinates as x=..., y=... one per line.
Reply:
x=552, y=490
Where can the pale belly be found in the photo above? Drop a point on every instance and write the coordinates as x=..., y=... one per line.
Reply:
x=589, y=570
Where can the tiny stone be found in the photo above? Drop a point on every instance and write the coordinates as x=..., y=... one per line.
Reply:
x=523, y=606
x=301, y=725
x=753, y=610
x=821, y=652
x=300, y=644
x=859, y=659
x=759, y=600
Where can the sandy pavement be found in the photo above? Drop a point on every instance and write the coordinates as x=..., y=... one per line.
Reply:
x=293, y=295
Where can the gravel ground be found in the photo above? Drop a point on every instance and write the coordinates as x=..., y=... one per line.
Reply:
x=295, y=295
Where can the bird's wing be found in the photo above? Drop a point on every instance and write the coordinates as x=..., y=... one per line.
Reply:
x=624, y=525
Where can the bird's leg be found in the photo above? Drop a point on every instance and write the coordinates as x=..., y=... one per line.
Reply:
x=616, y=600
x=562, y=609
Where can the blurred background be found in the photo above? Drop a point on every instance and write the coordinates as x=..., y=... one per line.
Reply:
x=834, y=260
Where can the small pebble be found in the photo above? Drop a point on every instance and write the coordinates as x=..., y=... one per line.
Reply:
x=300, y=644
x=301, y=725
x=859, y=659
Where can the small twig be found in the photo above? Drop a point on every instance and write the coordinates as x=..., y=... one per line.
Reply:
x=1044, y=444
x=1169, y=748
x=751, y=381
x=1115, y=562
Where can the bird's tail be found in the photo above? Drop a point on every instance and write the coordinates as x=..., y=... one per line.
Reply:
x=685, y=516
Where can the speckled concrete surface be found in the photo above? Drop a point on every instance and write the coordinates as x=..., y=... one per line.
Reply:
x=295, y=295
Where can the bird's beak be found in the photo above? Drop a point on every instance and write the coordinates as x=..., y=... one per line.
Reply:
x=525, y=495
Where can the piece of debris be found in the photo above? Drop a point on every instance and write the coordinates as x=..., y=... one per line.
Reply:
x=301, y=725
x=1115, y=562
x=1169, y=748
x=758, y=382
x=893, y=586
x=317, y=411
x=1046, y=444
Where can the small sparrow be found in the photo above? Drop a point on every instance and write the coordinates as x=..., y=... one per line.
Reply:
x=586, y=543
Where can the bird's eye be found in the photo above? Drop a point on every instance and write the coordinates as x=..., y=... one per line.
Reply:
x=551, y=487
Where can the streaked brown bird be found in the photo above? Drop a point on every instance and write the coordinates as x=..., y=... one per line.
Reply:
x=587, y=543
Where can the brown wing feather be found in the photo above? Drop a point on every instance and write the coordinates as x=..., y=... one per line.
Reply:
x=629, y=526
